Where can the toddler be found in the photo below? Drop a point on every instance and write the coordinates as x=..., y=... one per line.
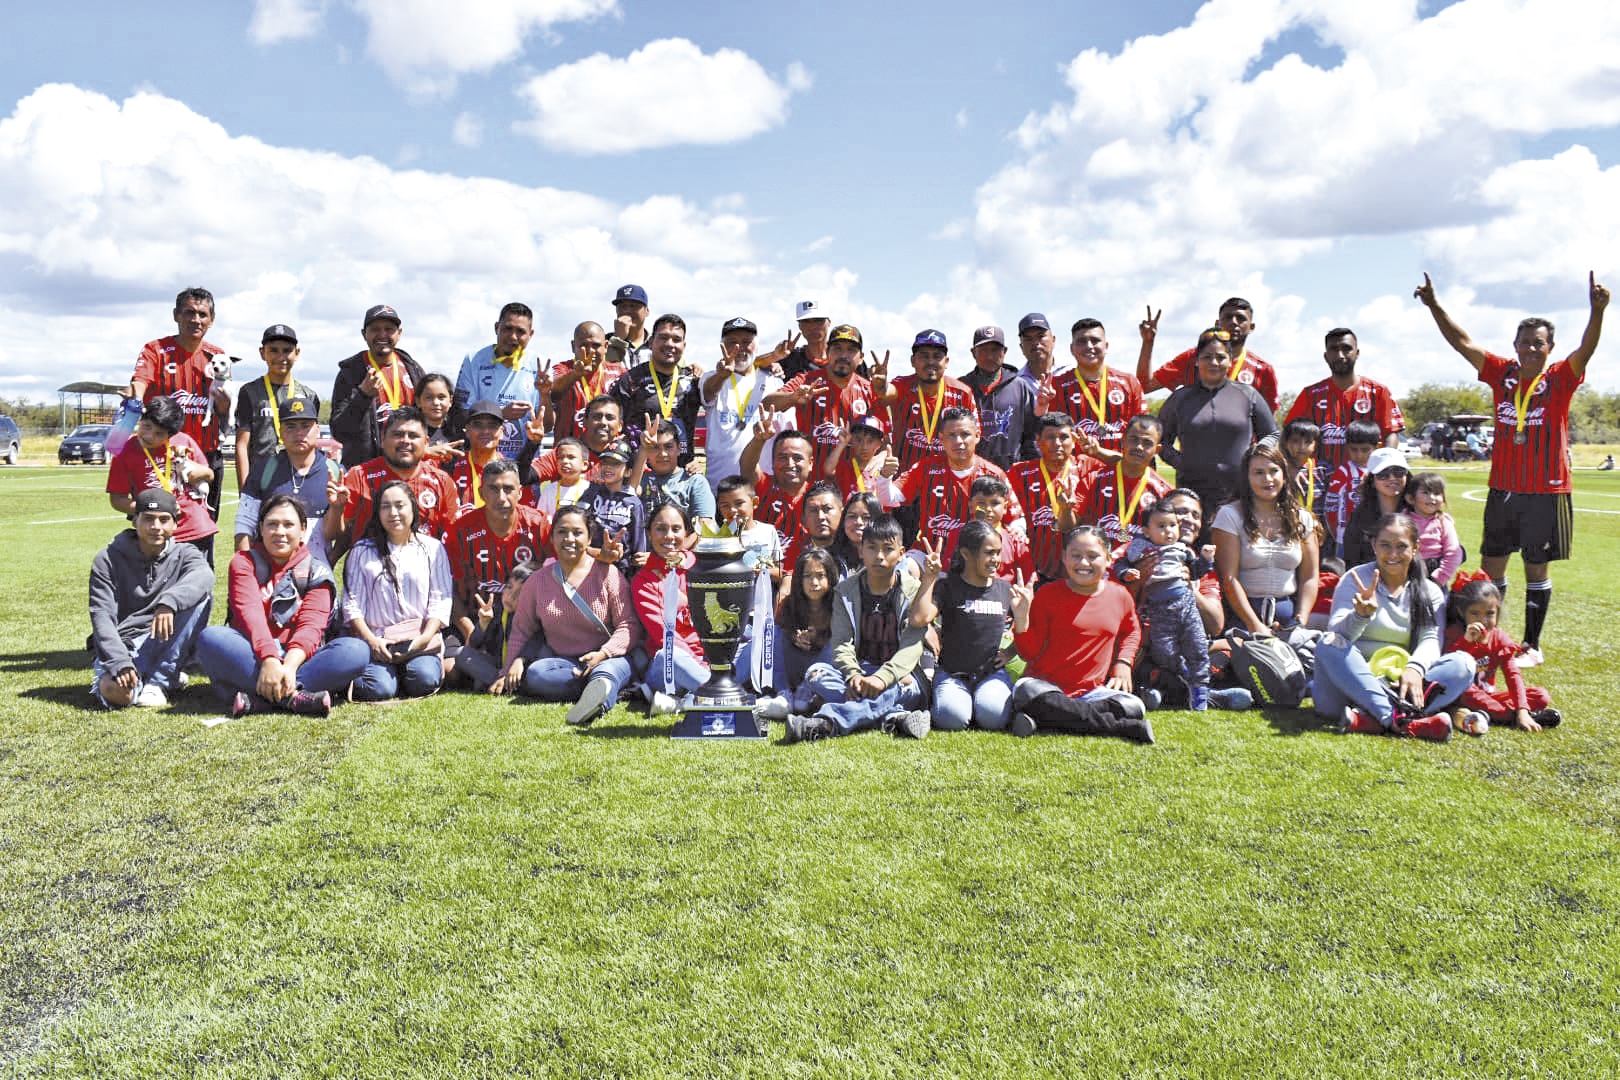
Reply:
x=1471, y=627
x=1438, y=545
x=1176, y=637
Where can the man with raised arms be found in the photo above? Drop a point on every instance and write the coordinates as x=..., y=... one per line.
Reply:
x=1528, y=508
x=1236, y=317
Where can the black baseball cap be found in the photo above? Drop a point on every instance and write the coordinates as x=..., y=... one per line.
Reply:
x=278, y=332
x=381, y=311
x=739, y=323
x=156, y=500
x=299, y=407
x=1034, y=318
x=620, y=449
x=484, y=408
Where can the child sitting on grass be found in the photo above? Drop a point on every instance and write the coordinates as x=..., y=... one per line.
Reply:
x=1472, y=612
x=803, y=632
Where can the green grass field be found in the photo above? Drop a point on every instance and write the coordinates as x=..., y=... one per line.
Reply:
x=465, y=887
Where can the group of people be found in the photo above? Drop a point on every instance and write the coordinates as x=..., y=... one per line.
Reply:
x=996, y=551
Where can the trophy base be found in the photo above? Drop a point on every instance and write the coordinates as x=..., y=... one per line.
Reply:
x=700, y=721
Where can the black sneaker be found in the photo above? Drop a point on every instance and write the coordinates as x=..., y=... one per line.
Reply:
x=1022, y=725
x=913, y=724
x=806, y=729
x=592, y=703
x=1547, y=718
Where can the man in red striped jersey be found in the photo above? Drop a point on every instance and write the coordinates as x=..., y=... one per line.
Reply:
x=938, y=487
x=1528, y=509
x=349, y=501
x=1117, y=496
x=1340, y=400
x=177, y=367
x=1100, y=398
x=828, y=399
x=1236, y=317
x=487, y=540
x=781, y=495
x=1045, y=489
x=577, y=382
x=917, y=403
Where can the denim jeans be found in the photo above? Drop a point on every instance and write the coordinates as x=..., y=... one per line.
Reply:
x=550, y=677
x=159, y=662
x=986, y=700
x=690, y=672
x=227, y=658
x=417, y=677
x=792, y=665
x=1343, y=678
x=852, y=716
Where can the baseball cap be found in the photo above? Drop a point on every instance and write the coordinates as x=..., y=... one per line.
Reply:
x=845, y=332
x=382, y=311
x=299, y=407
x=630, y=294
x=739, y=323
x=870, y=422
x=809, y=309
x=485, y=408
x=278, y=332
x=1034, y=318
x=156, y=500
x=619, y=449
x=1385, y=457
x=929, y=337
x=985, y=334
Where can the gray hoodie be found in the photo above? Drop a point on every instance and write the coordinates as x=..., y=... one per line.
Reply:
x=846, y=628
x=126, y=588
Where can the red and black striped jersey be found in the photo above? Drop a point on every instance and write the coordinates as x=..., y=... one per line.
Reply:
x=1030, y=489
x=916, y=435
x=828, y=408
x=1105, y=498
x=1182, y=370
x=1118, y=393
x=467, y=479
x=480, y=561
x=940, y=494
x=570, y=407
x=435, y=495
x=169, y=372
x=1333, y=410
x=779, y=509
x=1541, y=464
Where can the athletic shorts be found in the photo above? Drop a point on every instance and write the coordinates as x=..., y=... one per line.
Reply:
x=1539, y=526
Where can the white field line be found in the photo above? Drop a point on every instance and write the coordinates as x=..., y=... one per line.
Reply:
x=1478, y=495
x=107, y=516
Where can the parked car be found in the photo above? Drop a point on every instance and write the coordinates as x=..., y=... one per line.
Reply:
x=87, y=444
x=328, y=445
x=10, y=440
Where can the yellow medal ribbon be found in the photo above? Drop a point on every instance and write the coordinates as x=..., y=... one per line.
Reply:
x=1052, y=487
x=1237, y=365
x=511, y=362
x=275, y=406
x=665, y=408
x=743, y=402
x=163, y=473
x=1099, y=404
x=860, y=475
x=396, y=391
x=477, y=472
x=1521, y=399
x=1126, y=513
x=928, y=425
x=1310, y=485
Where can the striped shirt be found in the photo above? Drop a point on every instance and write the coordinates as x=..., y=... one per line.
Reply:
x=422, y=574
x=1541, y=465
x=1123, y=400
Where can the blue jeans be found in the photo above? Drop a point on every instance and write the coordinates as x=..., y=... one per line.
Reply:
x=550, y=677
x=986, y=701
x=159, y=662
x=227, y=658
x=852, y=716
x=792, y=665
x=417, y=677
x=1343, y=678
x=690, y=672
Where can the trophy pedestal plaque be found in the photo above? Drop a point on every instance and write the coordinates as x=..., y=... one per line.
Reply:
x=719, y=592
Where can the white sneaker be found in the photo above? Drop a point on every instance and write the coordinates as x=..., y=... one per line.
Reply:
x=181, y=681
x=150, y=696
x=772, y=708
x=1531, y=658
x=663, y=705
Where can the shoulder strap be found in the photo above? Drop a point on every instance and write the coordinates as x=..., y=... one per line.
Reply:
x=579, y=601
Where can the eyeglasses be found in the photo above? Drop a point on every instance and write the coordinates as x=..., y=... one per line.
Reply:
x=1398, y=474
x=1216, y=333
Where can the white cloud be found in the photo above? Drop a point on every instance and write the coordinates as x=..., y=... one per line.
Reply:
x=276, y=21
x=666, y=93
x=425, y=44
x=961, y=119
x=468, y=130
x=1190, y=161
x=100, y=224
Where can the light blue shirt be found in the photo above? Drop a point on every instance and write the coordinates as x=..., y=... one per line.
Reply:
x=483, y=378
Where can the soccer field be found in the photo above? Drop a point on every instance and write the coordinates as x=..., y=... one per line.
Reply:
x=465, y=887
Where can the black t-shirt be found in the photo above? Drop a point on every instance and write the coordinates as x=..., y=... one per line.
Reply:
x=879, y=637
x=253, y=414
x=636, y=392
x=971, y=622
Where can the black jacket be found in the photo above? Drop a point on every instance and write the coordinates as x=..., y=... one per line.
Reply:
x=353, y=419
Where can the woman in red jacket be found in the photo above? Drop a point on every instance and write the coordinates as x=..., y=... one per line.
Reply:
x=269, y=653
x=659, y=590
x=1079, y=639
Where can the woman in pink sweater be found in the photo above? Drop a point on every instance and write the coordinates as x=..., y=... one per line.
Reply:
x=269, y=654
x=1079, y=638
x=572, y=626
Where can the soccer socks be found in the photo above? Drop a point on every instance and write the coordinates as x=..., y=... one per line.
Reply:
x=1501, y=587
x=1537, y=599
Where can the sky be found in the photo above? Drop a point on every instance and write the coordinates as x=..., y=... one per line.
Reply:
x=943, y=165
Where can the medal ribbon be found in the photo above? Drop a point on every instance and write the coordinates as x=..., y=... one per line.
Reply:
x=666, y=408
x=511, y=362
x=671, y=607
x=275, y=406
x=393, y=392
x=1310, y=485
x=1052, y=487
x=163, y=473
x=1126, y=513
x=1237, y=365
x=744, y=402
x=1099, y=404
x=928, y=425
x=1521, y=399
x=477, y=471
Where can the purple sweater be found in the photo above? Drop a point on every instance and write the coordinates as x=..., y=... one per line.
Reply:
x=544, y=610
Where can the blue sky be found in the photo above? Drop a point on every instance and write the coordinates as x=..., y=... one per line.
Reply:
x=911, y=165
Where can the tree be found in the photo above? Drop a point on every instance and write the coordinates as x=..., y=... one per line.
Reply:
x=1433, y=402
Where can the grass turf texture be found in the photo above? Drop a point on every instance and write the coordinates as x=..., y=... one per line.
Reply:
x=459, y=887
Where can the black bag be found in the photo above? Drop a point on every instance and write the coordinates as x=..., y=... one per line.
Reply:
x=1268, y=668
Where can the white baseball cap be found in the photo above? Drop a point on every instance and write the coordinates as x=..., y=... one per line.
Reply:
x=1385, y=457
x=810, y=309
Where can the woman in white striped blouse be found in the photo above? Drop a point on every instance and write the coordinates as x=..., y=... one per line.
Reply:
x=396, y=598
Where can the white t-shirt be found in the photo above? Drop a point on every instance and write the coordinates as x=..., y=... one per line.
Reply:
x=729, y=430
x=1265, y=567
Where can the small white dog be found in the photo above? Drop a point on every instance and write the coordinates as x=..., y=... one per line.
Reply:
x=219, y=379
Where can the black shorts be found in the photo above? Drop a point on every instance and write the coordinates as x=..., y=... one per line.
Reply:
x=1538, y=526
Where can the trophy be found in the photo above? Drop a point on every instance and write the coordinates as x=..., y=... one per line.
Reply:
x=719, y=591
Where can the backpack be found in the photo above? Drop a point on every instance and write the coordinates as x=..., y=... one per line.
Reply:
x=1268, y=668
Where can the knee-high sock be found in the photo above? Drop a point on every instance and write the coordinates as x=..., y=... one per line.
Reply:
x=1501, y=587
x=1537, y=599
